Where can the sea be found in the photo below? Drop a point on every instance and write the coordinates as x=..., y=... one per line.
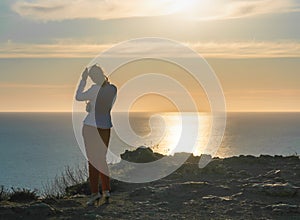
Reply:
x=37, y=147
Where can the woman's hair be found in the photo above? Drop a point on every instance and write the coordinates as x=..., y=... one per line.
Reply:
x=97, y=68
x=97, y=74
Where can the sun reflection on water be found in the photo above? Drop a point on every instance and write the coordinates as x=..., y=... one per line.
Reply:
x=166, y=131
x=173, y=131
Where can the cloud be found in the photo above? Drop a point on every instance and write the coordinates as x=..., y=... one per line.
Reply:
x=233, y=9
x=58, y=50
x=259, y=93
x=240, y=9
x=57, y=10
x=246, y=49
x=34, y=86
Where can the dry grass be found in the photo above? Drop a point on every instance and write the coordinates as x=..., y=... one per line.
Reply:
x=69, y=177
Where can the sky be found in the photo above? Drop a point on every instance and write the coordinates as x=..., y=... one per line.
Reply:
x=253, y=46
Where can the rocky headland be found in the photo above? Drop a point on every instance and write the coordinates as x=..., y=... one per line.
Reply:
x=244, y=187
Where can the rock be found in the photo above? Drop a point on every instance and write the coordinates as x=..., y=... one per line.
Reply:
x=277, y=189
x=273, y=176
x=204, y=160
x=90, y=216
x=214, y=167
x=68, y=203
x=163, y=203
x=237, y=196
x=212, y=198
x=143, y=192
x=243, y=173
x=273, y=173
x=284, y=208
x=81, y=188
x=191, y=202
x=240, y=161
x=39, y=209
x=141, y=155
x=78, y=196
x=231, y=212
x=232, y=188
x=262, y=156
x=6, y=212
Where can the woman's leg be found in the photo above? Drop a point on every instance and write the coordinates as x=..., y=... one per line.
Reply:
x=89, y=133
x=105, y=135
x=94, y=179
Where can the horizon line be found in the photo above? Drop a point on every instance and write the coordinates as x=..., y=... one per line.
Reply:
x=280, y=111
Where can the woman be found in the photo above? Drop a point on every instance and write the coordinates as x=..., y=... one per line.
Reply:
x=96, y=129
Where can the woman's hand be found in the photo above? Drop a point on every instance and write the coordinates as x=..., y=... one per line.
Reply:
x=85, y=74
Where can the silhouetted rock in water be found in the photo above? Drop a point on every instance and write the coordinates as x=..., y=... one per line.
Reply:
x=141, y=155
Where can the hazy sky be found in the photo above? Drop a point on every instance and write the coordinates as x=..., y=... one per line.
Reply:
x=253, y=46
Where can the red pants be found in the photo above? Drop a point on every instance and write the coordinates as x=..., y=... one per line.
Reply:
x=96, y=142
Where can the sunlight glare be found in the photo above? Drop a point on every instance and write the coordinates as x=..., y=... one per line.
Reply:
x=182, y=6
x=200, y=9
x=174, y=130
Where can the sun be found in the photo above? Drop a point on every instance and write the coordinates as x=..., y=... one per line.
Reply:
x=192, y=8
x=179, y=6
